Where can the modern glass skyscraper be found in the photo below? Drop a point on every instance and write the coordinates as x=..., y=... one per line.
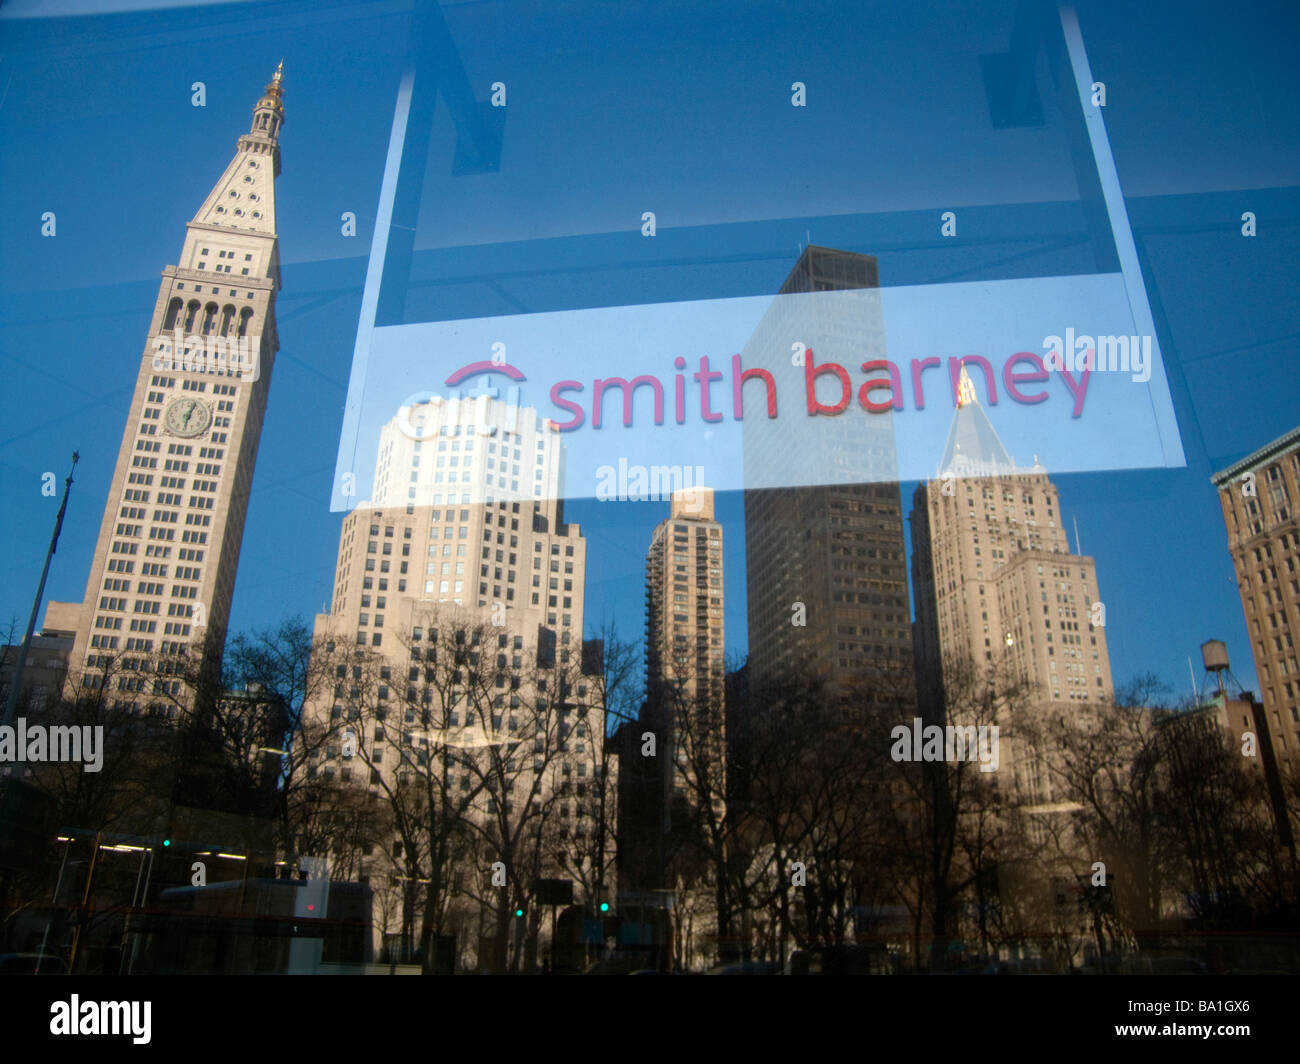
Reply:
x=826, y=566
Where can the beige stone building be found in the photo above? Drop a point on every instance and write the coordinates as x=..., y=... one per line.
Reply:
x=163, y=572
x=463, y=558
x=477, y=485
x=999, y=594
x=47, y=662
x=686, y=710
x=996, y=583
x=1258, y=498
x=685, y=667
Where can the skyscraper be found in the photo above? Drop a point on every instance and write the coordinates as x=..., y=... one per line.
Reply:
x=163, y=573
x=996, y=585
x=462, y=692
x=1257, y=495
x=825, y=564
x=468, y=497
x=675, y=829
x=685, y=670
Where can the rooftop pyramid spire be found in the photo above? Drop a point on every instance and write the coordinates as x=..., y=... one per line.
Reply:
x=973, y=447
x=244, y=197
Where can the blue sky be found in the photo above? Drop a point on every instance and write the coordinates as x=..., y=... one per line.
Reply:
x=611, y=111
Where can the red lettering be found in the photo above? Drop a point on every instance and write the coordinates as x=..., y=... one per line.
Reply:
x=810, y=375
x=567, y=404
x=954, y=371
x=919, y=366
x=628, y=388
x=894, y=384
x=738, y=379
x=1013, y=379
x=706, y=377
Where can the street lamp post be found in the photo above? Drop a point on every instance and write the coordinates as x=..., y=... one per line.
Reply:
x=58, y=883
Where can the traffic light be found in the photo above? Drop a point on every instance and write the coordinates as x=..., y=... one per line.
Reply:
x=519, y=912
x=604, y=906
x=167, y=842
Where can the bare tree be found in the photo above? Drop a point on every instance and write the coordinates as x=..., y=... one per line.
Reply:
x=958, y=808
x=490, y=758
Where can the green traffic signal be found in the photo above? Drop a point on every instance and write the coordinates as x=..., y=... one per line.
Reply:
x=167, y=842
x=519, y=912
x=604, y=906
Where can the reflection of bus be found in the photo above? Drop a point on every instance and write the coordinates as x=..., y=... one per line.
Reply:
x=269, y=926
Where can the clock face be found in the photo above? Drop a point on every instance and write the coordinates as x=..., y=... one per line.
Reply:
x=187, y=417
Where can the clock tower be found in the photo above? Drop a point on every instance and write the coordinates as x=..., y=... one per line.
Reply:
x=162, y=579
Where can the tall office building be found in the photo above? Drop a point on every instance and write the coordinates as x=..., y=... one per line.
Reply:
x=460, y=586
x=994, y=577
x=467, y=500
x=825, y=564
x=163, y=573
x=675, y=802
x=1259, y=514
x=685, y=670
x=995, y=582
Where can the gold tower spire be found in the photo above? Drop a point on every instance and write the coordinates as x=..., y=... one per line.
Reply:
x=965, y=389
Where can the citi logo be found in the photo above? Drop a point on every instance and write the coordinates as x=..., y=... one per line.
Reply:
x=474, y=404
x=102, y=1017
